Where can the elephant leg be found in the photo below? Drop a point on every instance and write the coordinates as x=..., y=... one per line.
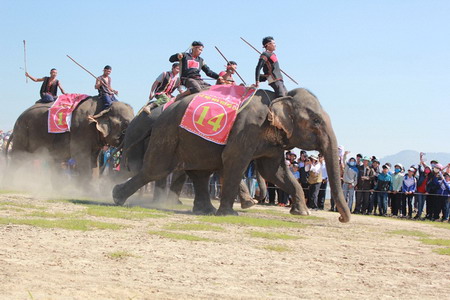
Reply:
x=178, y=180
x=160, y=192
x=275, y=171
x=262, y=188
x=202, y=201
x=245, y=197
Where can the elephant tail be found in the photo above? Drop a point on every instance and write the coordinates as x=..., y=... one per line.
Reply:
x=7, y=144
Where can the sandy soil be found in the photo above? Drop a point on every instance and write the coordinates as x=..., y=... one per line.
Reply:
x=331, y=260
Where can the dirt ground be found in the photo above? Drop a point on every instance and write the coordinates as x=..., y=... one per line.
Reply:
x=327, y=260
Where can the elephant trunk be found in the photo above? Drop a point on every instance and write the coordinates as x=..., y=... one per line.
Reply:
x=334, y=177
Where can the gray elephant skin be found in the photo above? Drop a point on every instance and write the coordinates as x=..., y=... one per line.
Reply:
x=83, y=142
x=262, y=131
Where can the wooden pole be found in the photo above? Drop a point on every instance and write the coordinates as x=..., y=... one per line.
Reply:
x=220, y=52
x=260, y=53
x=25, y=58
x=103, y=83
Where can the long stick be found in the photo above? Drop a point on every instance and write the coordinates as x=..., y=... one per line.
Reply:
x=228, y=63
x=260, y=53
x=103, y=83
x=25, y=58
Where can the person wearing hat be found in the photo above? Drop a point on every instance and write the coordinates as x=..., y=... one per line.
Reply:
x=445, y=187
x=324, y=184
x=396, y=196
x=163, y=87
x=105, y=91
x=433, y=190
x=227, y=75
x=313, y=166
x=382, y=187
x=268, y=61
x=409, y=187
x=191, y=65
x=350, y=179
x=364, y=184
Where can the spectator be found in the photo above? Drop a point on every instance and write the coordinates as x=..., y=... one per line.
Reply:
x=364, y=184
x=250, y=178
x=445, y=187
x=350, y=178
x=359, y=159
x=304, y=174
x=323, y=186
x=382, y=187
x=397, y=181
x=421, y=197
x=374, y=197
x=313, y=166
x=433, y=189
x=409, y=187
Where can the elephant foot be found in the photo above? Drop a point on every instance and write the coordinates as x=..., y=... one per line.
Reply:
x=226, y=212
x=209, y=210
x=117, y=197
x=248, y=203
x=299, y=211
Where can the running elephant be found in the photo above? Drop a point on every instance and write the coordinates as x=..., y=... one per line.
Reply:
x=261, y=132
x=83, y=142
x=135, y=144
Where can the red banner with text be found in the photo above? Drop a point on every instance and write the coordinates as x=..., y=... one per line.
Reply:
x=211, y=114
x=60, y=114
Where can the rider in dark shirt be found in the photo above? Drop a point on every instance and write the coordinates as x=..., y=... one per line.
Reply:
x=49, y=88
x=191, y=64
x=268, y=61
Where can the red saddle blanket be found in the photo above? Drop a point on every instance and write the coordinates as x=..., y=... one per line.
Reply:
x=60, y=114
x=211, y=114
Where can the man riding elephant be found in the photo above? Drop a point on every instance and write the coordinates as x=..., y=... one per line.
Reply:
x=191, y=64
x=49, y=88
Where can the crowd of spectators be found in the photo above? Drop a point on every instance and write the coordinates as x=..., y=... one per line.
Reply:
x=417, y=192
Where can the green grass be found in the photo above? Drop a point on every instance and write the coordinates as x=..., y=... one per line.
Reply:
x=179, y=236
x=272, y=235
x=69, y=224
x=277, y=248
x=118, y=255
x=56, y=215
x=118, y=212
x=409, y=233
x=249, y=221
x=437, y=242
x=445, y=225
x=21, y=205
x=194, y=227
x=280, y=214
x=442, y=251
x=4, y=192
x=12, y=208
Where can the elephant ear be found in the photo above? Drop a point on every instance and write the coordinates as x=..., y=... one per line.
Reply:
x=280, y=115
x=101, y=121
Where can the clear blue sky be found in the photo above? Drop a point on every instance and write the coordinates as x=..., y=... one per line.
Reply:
x=380, y=68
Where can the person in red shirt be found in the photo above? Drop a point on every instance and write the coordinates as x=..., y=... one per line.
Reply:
x=421, y=197
x=227, y=75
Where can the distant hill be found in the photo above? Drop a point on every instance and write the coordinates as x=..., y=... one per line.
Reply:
x=411, y=157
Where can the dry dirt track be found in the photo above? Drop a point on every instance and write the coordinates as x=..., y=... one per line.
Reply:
x=330, y=260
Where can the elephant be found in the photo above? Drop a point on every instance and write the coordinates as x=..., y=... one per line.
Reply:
x=135, y=144
x=261, y=132
x=83, y=142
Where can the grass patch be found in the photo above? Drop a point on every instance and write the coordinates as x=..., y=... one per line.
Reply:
x=179, y=236
x=56, y=215
x=12, y=209
x=445, y=225
x=277, y=248
x=249, y=221
x=272, y=235
x=5, y=192
x=437, y=242
x=118, y=255
x=442, y=251
x=409, y=233
x=21, y=205
x=281, y=214
x=131, y=213
x=70, y=224
x=194, y=227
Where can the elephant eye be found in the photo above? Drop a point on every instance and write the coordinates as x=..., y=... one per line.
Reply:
x=317, y=121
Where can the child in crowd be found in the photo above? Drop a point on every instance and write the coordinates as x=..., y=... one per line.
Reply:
x=408, y=188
